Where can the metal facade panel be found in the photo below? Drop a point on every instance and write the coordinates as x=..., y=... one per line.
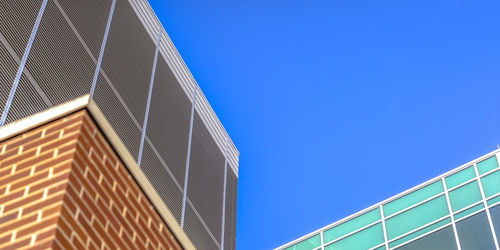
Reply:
x=17, y=22
x=196, y=232
x=8, y=69
x=168, y=125
x=128, y=59
x=26, y=101
x=89, y=17
x=162, y=182
x=117, y=115
x=206, y=177
x=231, y=202
x=71, y=68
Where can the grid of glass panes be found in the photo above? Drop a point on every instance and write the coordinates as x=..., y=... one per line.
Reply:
x=421, y=217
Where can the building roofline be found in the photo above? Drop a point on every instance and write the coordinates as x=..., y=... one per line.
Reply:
x=186, y=80
x=85, y=102
x=392, y=198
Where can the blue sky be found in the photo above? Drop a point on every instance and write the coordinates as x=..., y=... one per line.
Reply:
x=337, y=105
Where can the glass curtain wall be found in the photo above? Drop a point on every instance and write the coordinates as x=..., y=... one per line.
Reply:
x=466, y=198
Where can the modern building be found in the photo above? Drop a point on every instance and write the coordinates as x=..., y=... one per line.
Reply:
x=457, y=210
x=112, y=61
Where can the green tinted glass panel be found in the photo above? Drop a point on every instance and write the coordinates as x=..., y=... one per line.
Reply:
x=494, y=201
x=464, y=196
x=416, y=217
x=487, y=165
x=379, y=248
x=361, y=240
x=419, y=232
x=491, y=184
x=469, y=211
x=307, y=244
x=460, y=177
x=351, y=225
x=412, y=198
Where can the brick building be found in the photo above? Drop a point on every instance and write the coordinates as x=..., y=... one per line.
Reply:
x=68, y=182
x=116, y=56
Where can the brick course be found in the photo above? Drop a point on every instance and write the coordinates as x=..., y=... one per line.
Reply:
x=62, y=186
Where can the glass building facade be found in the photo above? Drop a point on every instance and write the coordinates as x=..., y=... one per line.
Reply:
x=457, y=210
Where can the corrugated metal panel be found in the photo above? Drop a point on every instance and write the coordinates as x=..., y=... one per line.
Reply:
x=168, y=125
x=206, y=177
x=26, y=101
x=196, y=232
x=89, y=18
x=128, y=59
x=71, y=68
x=230, y=220
x=162, y=182
x=18, y=18
x=117, y=115
x=186, y=80
x=8, y=69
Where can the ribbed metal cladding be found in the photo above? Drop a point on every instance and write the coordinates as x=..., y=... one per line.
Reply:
x=89, y=18
x=26, y=101
x=60, y=67
x=71, y=68
x=196, y=232
x=168, y=126
x=230, y=220
x=117, y=116
x=206, y=177
x=8, y=69
x=17, y=20
x=128, y=59
x=161, y=180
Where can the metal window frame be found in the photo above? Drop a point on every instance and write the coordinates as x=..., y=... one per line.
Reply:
x=438, y=178
x=450, y=211
x=487, y=209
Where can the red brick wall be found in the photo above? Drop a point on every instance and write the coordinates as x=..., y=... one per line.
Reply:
x=63, y=186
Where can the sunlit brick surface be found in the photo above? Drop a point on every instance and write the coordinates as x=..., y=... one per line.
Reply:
x=62, y=186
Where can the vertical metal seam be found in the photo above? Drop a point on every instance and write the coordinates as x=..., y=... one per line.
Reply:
x=450, y=211
x=148, y=102
x=22, y=64
x=486, y=208
x=103, y=46
x=186, y=175
x=382, y=218
x=224, y=195
x=322, y=240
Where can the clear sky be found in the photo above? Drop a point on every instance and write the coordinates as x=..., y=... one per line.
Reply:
x=336, y=105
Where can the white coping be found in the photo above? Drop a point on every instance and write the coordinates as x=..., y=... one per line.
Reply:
x=85, y=102
x=186, y=80
x=438, y=178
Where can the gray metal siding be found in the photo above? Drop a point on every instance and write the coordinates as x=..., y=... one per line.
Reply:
x=196, y=232
x=230, y=220
x=168, y=125
x=117, y=115
x=26, y=101
x=8, y=69
x=89, y=17
x=55, y=52
x=161, y=180
x=17, y=20
x=206, y=177
x=128, y=59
